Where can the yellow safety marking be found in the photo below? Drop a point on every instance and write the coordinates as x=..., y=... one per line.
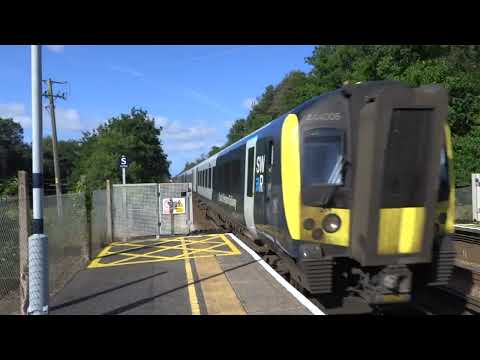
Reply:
x=400, y=230
x=199, y=246
x=192, y=294
x=449, y=225
x=291, y=180
x=220, y=298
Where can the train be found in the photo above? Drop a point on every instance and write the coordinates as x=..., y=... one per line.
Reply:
x=353, y=190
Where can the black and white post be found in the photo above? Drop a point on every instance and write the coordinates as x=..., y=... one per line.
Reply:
x=124, y=166
x=38, y=241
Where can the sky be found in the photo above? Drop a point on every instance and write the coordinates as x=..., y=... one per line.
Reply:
x=194, y=92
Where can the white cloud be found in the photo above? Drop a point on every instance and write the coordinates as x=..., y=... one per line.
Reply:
x=183, y=137
x=184, y=143
x=249, y=103
x=127, y=70
x=228, y=124
x=16, y=111
x=66, y=118
x=56, y=48
x=208, y=101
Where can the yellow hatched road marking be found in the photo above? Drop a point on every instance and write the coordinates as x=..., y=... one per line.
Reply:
x=189, y=247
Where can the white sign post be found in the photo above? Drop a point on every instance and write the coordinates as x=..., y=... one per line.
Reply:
x=124, y=166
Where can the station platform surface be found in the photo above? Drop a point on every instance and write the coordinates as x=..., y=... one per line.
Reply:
x=215, y=274
x=471, y=228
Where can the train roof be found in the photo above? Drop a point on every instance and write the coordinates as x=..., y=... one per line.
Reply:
x=366, y=86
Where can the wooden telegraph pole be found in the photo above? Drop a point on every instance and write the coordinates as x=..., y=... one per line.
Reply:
x=51, y=97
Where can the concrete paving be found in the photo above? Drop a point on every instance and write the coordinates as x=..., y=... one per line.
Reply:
x=225, y=281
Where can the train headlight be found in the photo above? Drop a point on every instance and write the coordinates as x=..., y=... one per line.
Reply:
x=309, y=224
x=331, y=223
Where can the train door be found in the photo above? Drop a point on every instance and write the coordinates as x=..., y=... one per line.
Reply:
x=249, y=191
x=263, y=180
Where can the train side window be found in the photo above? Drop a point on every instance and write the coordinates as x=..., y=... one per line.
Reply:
x=213, y=175
x=271, y=148
x=209, y=177
x=250, y=172
x=236, y=177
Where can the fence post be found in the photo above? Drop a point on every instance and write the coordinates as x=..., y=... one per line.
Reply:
x=24, y=233
x=88, y=209
x=108, y=210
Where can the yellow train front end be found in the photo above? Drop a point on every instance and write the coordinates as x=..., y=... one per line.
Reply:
x=368, y=191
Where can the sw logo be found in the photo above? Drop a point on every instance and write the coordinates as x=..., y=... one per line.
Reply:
x=259, y=170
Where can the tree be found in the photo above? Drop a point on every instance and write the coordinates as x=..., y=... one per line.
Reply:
x=214, y=150
x=68, y=156
x=134, y=135
x=237, y=131
x=453, y=66
x=14, y=154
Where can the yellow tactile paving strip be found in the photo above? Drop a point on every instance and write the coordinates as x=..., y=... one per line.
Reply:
x=164, y=249
x=220, y=298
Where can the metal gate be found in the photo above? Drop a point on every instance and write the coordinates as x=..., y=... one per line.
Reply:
x=137, y=210
x=171, y=222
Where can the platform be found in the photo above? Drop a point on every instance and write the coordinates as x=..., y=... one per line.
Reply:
x=473, y=228
x=213, y=274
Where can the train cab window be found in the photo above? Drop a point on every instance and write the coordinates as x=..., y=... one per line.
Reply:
x=444, y=188
x=270, y=155
x=322, y=157
x=250, y=173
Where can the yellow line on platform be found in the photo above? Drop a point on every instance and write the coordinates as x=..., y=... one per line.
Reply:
x=220, y=298
x=192, y=294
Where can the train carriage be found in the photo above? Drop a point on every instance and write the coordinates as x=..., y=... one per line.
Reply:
x=352, y=189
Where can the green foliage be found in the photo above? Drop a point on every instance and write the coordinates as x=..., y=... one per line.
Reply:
x=9, y=187
x=466, y=156
x=134, y=135
x=189, y=165
x=214, y=150
x=68, y=156
x=14, y=154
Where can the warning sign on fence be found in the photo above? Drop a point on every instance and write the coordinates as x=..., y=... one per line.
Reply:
x=174, y=206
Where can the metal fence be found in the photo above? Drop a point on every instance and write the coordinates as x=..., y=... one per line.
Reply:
x=98, y=221
x=74, y=237
x=463, y=205
x=68, y=238
x=135, y=211
x=9, y=256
